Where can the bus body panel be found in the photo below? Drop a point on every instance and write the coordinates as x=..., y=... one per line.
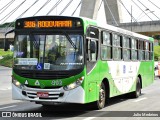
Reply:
x=76, y=95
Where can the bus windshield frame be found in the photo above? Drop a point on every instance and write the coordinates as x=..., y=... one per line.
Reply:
x=53, y=52
x=33, y=32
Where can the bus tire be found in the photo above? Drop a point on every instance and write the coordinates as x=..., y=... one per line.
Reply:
x=137, y=93
x=99, y=104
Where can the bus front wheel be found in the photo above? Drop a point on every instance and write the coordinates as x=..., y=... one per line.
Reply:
x=100, y=103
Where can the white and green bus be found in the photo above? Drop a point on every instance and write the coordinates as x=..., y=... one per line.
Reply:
x=77, y=60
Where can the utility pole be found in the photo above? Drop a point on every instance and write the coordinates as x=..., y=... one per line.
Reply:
x=56, y=8
x=131, y=17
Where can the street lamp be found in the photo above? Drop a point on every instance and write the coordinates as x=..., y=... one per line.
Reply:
x=144, y=15
x=131, y=17
x=141, y=15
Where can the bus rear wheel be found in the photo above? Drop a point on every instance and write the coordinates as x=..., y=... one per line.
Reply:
x=137, y=93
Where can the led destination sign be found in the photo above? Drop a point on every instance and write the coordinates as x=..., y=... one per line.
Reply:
x=48, y=24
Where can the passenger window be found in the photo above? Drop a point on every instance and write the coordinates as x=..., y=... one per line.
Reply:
x=106, y=48
x=126, y=48
x=117, y=47
x=134, y=49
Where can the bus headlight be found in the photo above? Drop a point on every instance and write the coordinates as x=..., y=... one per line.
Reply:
x=74, y=84
x=16, y=83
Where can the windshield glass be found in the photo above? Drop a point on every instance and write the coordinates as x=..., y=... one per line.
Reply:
x=48, y=52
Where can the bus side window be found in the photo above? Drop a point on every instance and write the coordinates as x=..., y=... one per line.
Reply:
x=117, y=47
x=147, y=50
x=126, y=48
x=141, y=50
x=134, y=49
x=151, y=51
x=106, y=48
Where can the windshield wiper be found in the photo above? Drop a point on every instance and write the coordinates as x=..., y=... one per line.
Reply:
x=69, y=39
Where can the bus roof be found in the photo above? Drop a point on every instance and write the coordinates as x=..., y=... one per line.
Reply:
x=88, y=21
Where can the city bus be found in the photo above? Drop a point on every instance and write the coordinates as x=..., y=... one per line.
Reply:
x=62, y=59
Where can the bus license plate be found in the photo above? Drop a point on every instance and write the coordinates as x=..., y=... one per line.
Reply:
x=42, y=94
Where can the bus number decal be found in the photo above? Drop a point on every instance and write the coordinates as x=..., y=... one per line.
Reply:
x=57, y=82
x=29, y=24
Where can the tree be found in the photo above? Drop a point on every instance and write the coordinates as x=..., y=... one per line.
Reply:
x=10, y=24
x=156, y=53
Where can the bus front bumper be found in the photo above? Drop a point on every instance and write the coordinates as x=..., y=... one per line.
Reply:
x=54, y=95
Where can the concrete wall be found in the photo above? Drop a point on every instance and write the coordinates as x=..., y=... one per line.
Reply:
x=89, y=8
x=115, y=8
x=146, y=28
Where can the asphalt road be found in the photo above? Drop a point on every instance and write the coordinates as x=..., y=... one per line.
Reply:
x=118, y=108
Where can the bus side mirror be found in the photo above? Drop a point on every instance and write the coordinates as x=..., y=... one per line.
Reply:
x=92, y=47
x=6, y=43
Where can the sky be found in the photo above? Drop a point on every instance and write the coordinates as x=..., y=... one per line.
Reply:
x=136, y=12
x=150, y=9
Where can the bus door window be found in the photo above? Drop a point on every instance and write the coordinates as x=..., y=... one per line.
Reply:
x=92, y=50
x=92, y=43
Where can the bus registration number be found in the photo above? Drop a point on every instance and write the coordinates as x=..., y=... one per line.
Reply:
x=42, y=94
x=57, y=82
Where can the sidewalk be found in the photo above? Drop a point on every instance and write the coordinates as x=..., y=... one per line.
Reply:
x=5, y=68
x=5, y=86
x=5, y=72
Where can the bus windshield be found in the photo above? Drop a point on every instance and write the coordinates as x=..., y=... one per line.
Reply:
x=48, y=52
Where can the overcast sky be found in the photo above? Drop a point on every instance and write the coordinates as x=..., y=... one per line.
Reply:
x=137, y=13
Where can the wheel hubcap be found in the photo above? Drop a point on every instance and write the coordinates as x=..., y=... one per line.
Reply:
x=102, y=97
x=138, y=89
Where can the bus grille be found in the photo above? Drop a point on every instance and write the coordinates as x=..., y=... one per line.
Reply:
x=53, y=94
x=46, y=75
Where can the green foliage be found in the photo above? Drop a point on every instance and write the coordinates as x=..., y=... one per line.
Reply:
x=156, y=37
x=11, y=24
x=7, y=58
x=4, y=53
x=156, y=53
